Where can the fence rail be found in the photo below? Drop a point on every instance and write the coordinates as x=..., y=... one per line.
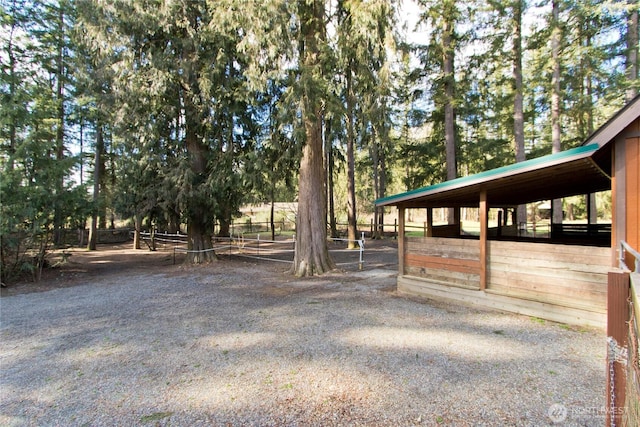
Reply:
x=628, y=255
x=256, y=248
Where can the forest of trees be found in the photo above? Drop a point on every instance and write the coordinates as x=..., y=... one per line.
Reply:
x=178, y=112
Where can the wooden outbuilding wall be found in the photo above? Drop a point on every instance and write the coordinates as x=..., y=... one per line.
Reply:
x=564, y=283
x=441, y=260
x=632, y=184
x=561, y=275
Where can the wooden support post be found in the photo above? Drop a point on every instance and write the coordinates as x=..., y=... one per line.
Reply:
x=484, y=210
x=401, y=213
x=617, y=333
x=429, y=222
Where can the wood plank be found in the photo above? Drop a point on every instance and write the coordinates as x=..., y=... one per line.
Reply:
x=460, y=252
x=597, y=304
x=450, y=264
x=448, y=277
x=456, y=251
x=593, y=302
x=445, y=252
x=546, y=248
x=440, y=241
x=574, y=263
x=486, y=300
x=534, y=265
x=466, y=283
x=599, y=261
x=596, y=256
x=506, y=277
x=599, y=299
x=524, y=281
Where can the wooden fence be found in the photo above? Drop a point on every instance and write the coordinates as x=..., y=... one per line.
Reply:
x=623, y=365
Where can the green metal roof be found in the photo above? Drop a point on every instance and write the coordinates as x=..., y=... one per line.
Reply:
x=509, y=184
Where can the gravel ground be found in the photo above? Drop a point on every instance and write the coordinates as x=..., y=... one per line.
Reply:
x=242, y=343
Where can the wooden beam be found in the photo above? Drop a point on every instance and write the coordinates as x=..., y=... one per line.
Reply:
x=618, y=200
x=484, y=225
x=401, y=240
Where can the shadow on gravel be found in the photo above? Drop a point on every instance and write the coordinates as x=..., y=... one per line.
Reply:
x=242, y=343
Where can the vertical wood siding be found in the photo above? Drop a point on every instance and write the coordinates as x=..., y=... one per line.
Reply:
x=632, y=157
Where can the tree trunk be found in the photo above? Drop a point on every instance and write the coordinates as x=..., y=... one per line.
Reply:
x=199, y=216
x=225, y=227
x=199, y=244
x=382, y=191
x=333, y=227
x=12, y=93
x=58, y=215
x=311, y=254
x=556, y=35
x=137, y=223
x=102, y=206
x=272, y=222
x=632, y=51
x=375, y=166
x=518, y=108
x=351, y=165
x=198, y=233
x=93, y=237
x=449, y=110
x=173, y=220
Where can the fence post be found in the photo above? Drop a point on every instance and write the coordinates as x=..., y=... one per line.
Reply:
x=395, y=228
x=617, y=333
x=361, y=244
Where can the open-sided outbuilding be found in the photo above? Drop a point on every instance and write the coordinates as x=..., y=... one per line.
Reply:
x=562, y=277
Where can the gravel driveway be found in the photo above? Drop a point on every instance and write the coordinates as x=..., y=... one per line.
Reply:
x=241, y=343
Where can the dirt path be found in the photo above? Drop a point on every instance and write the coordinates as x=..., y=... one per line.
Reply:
x=79, y=266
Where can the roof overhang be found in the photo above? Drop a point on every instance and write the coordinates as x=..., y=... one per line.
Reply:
x=582, y=170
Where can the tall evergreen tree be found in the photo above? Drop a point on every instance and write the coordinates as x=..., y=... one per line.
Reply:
x=556, y=142
x=632, y=50
x=311, y=254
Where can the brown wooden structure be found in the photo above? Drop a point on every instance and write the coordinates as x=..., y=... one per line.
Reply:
x=562, y=278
